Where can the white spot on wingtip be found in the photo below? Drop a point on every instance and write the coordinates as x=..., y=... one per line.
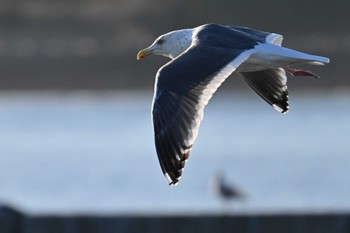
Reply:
x=170, y=181
x=184, y=151
x=277, y=108
x=168, y=178
x=174, y=184
x=281, y=110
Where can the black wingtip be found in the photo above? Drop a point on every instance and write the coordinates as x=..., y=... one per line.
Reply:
x=173, y=181
x=282, y=108
x=173, y=184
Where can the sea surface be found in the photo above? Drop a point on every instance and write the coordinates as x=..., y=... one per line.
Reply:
x=93, y=152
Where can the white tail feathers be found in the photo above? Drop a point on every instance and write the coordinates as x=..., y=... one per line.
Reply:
x=267, y=54
x=317, y=60
x=310, y=59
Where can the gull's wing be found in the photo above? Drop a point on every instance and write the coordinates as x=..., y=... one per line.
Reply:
x=271, y=85
x=184, y=86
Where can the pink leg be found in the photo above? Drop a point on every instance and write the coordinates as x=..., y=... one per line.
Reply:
x=299, y=72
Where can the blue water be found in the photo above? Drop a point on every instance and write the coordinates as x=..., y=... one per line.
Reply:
x=93, y=152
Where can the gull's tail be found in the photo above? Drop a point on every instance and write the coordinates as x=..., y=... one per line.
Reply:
x=281, y=56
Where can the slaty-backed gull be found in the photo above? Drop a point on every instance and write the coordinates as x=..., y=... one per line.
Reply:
x=201, y=59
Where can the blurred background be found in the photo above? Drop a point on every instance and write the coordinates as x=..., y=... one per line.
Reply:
x=75, y=128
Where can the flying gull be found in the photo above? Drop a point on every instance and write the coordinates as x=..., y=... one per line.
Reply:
x=201, y=59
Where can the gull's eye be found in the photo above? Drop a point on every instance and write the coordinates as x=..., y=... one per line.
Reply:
x=160, y=41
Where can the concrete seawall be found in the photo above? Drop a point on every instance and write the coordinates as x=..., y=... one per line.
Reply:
x=12, y=221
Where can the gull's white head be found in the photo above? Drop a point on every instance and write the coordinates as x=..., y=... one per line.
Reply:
x=169, y=45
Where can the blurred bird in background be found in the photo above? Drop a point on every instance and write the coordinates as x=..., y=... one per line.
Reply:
x=224, y=190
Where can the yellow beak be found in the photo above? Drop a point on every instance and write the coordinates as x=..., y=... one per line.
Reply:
x=143, y=53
